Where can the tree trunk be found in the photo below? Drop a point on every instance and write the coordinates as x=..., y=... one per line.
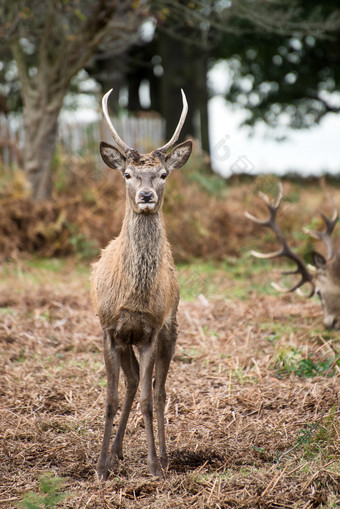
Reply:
x=41, y=128
x=174, y=78
x=202, y=98
x=185, y=67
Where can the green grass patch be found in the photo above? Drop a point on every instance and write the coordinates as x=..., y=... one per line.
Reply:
x=49, y=495
x=276, y=330
x=47, y=264
x=233, y=278
x=291, y=361
x=4, y=311
x=38, y=271
x=318, y=437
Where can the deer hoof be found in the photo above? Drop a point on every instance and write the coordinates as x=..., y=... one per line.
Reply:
x=164, y=462
x=102, y=471
x=113, y=461
x=117, y=452
x=154, y=468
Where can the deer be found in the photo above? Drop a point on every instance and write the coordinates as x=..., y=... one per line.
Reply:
x=135, y=293
x=324, y=278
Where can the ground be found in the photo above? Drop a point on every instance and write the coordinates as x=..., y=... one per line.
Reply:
x=253, y=394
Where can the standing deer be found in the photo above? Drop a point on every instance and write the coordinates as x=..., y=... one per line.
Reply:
x=135, y=292
x=325, y=281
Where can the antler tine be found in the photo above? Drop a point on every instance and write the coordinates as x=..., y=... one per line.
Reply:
x=295, y=287
x=116, y=136
x=326, y=234
x=178, y=129
x=271, y=221
x=285, y=249
x=275, y=206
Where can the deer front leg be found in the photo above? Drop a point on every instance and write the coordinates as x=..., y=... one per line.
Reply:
x=166, y=347
x=162, y=368
x=147, y=360
x=111, y=357
x=130, y=368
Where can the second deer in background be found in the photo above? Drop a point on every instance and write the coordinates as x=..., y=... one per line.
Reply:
x=325, y=280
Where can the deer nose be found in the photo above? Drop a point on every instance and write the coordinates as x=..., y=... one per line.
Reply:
x=335, y=324
x=331, y=322
x=146, y=196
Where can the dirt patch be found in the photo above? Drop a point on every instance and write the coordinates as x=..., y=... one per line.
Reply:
x=241, y=432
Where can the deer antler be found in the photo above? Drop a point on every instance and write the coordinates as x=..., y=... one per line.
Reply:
x=285, y=249
x=115, y=135
x=123, y=145
x=178, y=129
x=326, y=234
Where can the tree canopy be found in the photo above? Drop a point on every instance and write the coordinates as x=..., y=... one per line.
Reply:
x=295, y=76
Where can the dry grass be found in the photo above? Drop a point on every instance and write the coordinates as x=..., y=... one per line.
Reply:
x=238, y=434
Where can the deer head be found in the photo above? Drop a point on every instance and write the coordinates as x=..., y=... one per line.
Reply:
x=325, y=280
x=145, y=174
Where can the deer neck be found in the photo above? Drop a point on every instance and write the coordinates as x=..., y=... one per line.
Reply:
x=144, y=239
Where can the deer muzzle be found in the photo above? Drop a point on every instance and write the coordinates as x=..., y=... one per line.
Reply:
x=146, y=199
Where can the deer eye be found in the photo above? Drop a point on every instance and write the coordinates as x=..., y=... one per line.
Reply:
x=164, y=175
x=127, y=176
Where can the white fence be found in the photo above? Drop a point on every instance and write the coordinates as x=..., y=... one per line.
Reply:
x=143, y=133
x=10, y=141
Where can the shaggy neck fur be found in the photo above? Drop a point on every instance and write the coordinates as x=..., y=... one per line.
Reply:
x=144, y=241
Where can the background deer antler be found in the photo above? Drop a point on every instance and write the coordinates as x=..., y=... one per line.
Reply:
x=285, y=250
x=326, y=234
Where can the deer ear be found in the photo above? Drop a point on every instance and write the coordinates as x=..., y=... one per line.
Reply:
x=318, y=260
x=112, y=157
x=178, y=156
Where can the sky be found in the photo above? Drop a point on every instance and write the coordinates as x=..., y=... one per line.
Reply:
x=312, y=151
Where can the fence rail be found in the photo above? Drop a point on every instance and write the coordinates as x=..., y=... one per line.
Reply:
x=143, y=133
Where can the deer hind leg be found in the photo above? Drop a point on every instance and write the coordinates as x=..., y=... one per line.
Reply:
x=130, y=368
x=111, y=357
x=165, y=351
x=147, y=361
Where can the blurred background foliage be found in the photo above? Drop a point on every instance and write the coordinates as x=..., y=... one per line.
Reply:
x=282, y=58
x=204, y=213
